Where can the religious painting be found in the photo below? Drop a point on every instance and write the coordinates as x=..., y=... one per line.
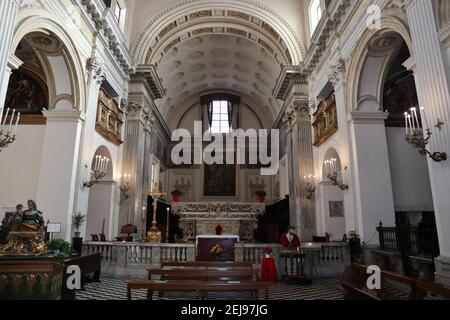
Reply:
x=220, y=180
x=26, y=93
x=336, y=209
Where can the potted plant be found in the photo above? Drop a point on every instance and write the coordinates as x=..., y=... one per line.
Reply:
x=78, y=220
x=354, y=242
x=176, y=193
x=60, y=249
x=261, y=195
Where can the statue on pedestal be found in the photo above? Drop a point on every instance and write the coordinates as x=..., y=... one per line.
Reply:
x=29, y=239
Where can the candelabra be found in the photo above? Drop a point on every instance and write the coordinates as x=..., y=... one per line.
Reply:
x=99, y=171
x=8, y=132
x=415, y=136
x=125, y=186
x=332, y=174
x=310, y=186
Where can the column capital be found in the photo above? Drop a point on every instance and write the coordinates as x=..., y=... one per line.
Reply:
x=137, y=110
x=404, y=4
x=298, y=110
x=95, y=70
x=336, y=74
x=64, y=116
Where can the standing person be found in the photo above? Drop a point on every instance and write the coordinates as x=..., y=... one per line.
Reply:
x=290, y=240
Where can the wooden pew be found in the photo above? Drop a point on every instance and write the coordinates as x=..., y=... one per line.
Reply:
x=354, y=284
x=205, y=275
x=197, y=286
x=207, y=264
x=90, y=265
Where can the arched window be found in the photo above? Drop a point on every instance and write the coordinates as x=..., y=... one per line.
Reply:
x=220, y=113
x=315, y=14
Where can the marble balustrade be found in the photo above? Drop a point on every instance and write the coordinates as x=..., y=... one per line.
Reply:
x=326, y=260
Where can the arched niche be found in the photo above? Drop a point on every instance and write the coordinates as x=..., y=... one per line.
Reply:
x=370, y=59
x=101, y=195
x=59, y=57
x=333, y=213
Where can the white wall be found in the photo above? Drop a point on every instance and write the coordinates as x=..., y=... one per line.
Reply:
x=332, y=225
x=409, y=174
x=19, y=167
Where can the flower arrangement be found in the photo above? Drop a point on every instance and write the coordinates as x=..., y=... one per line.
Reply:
x=217, y=250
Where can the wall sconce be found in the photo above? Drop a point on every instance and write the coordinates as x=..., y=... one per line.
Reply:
x=125, y=186
x=310, y=186
x=414, y=135
x=331, y=168
x=99, y=171
x=8, y=132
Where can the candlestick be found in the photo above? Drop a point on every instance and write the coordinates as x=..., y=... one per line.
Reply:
x=6, y=116
x=414, y=111
x=424, y=119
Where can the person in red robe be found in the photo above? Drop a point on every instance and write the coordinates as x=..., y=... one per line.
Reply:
x=290, y=240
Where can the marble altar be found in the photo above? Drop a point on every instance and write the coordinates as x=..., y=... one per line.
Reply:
x=203, y=218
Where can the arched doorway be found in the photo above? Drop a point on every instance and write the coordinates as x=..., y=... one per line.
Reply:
x=100, y=206
x=393, y=177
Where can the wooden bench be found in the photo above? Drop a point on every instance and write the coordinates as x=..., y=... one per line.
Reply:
x=197, y=286
x=354, y=283
x=90, y=266
x=205, y=275
x=207, y=264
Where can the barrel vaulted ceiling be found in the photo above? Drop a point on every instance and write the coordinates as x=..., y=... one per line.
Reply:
x=204, y=46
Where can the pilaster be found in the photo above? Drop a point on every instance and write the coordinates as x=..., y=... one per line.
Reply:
x=8, y=14
x=434, y=96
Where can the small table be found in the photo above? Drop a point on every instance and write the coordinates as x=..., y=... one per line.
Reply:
x=268, y=270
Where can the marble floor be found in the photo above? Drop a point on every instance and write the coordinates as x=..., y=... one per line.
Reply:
x=116, y=289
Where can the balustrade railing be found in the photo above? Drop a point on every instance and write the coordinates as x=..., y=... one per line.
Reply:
x=323, y=259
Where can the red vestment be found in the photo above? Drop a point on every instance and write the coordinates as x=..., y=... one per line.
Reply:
x=295, y=243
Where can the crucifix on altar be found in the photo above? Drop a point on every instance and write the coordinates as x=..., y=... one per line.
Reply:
x=154, y=235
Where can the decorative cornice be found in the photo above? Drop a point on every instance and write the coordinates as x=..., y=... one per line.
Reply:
x=150, y=75
x=103, y=20
x=322, y=37
x=289, y=76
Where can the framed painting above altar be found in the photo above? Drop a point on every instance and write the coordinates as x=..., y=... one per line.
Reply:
x=219, y=180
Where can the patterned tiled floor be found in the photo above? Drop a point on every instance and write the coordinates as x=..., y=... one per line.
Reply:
x=115, y=289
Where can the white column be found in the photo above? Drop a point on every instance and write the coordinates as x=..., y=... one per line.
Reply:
x=434, y=95
x=8, y=14
x=300, y=164
x=374, y=200
x=58, y=173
